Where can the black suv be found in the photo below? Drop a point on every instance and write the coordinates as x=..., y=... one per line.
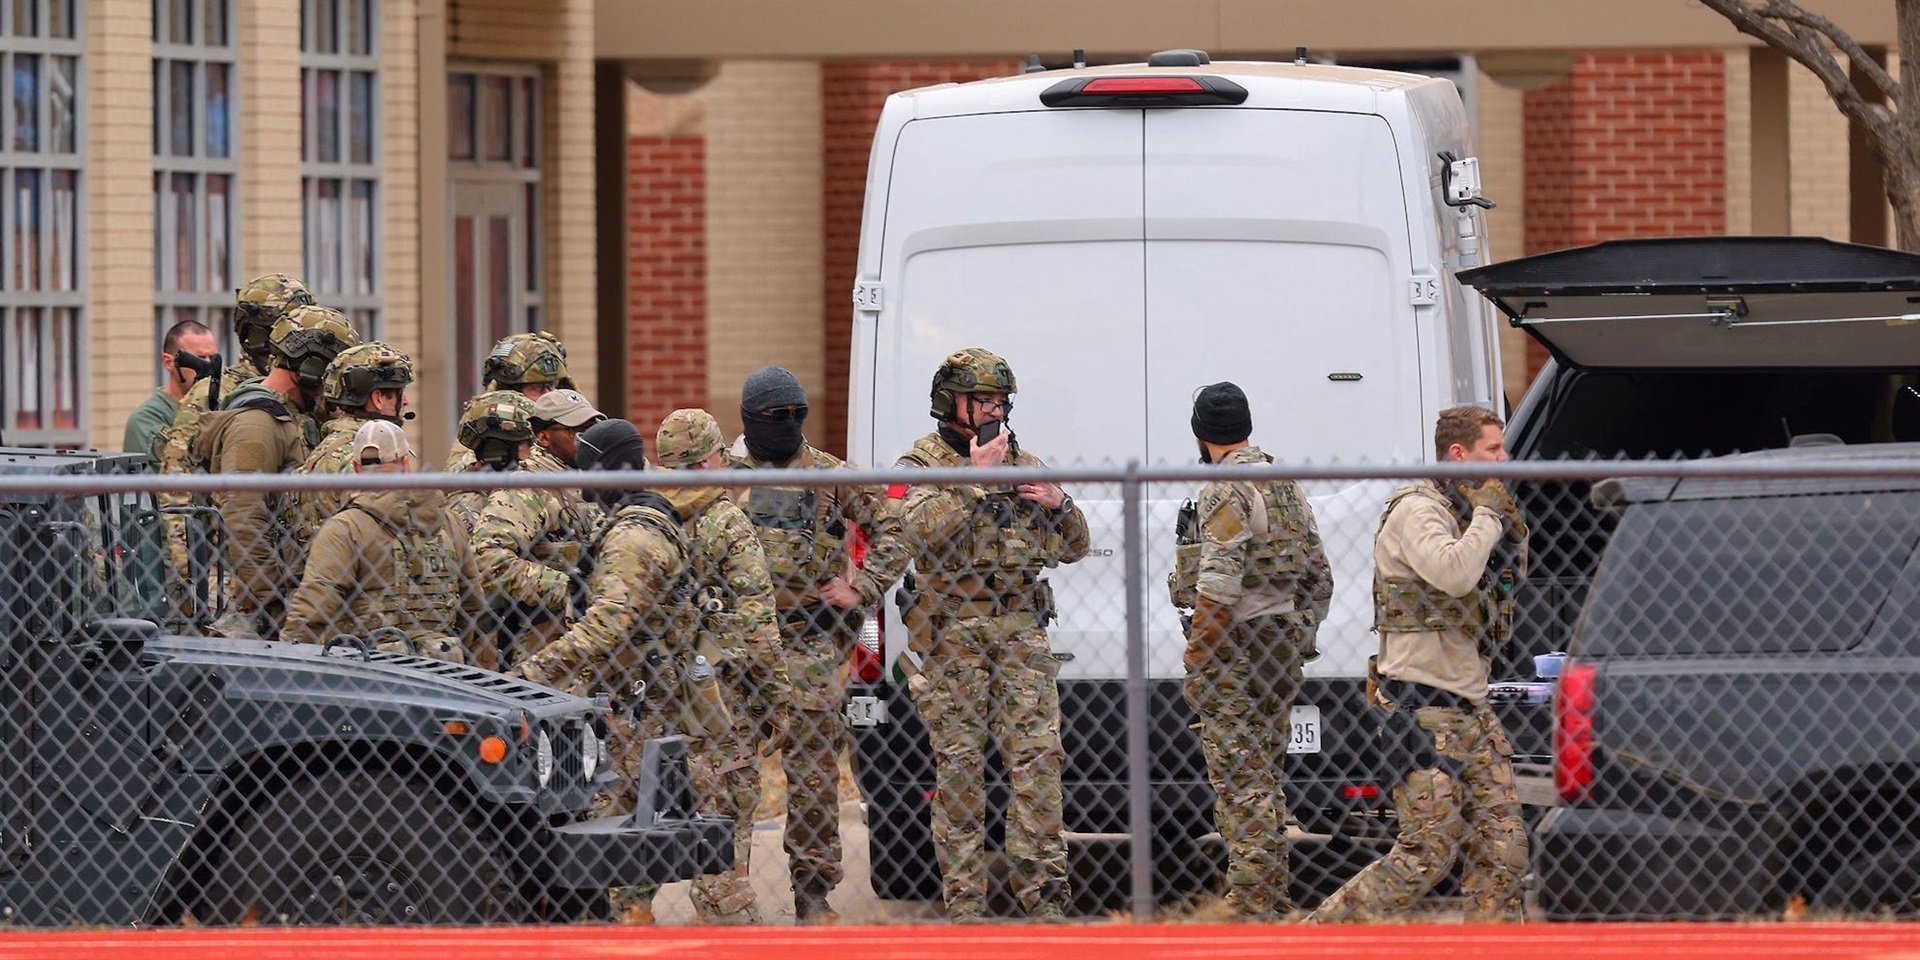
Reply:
x=153, y=778
x=1740, y=719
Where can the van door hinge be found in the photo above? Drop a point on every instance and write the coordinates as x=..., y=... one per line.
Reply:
x=1424, y=290
x=867, y=297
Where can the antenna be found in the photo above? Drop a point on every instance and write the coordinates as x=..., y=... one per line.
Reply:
x=1034, y=65
x=1299, y=56
x=1079, y=58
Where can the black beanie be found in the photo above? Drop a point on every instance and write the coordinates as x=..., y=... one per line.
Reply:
x=769, y=388
x=611, y=445
x=1220, y=414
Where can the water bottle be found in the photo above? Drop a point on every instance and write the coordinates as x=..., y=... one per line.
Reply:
x=707, y=712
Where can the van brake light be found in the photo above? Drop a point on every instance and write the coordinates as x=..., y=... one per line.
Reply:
x=1573, y=733
x=1144, y=92
x=865, y=661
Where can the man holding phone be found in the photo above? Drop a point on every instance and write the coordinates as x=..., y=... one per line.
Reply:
x=989, y=674
x=185, y=349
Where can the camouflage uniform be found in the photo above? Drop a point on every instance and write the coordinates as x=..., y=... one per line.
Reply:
x=990, y=675
x=347, y=386
x=516, y=361
x=258, y=305
x=388, y=559
x=737, y=633
x=528, y=544
x=261, y=430
x=1430, y=607
x=804, y=531
x=499, y=421
x=1270, y=570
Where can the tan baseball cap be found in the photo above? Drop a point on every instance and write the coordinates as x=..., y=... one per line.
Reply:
x=381, y=442
x=568, y=408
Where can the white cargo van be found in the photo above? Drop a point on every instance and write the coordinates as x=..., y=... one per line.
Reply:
x=1123, y=235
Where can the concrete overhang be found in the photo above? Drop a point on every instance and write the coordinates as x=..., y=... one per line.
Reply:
x=825, y=29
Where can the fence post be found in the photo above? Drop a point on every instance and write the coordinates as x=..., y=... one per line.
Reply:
x=1139, y=764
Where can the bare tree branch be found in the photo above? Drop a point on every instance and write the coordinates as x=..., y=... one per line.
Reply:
x=1809, y=48
x=1862, y=61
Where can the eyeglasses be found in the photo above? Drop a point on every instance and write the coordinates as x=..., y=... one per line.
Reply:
x=1004, y=404
x=783, y=414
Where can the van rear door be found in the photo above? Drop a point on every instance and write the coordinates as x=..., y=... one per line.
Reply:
x=1277, y=255
x=1021, y=233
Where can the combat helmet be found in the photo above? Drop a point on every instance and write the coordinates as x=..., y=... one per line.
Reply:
x=363, y=368
x=306, y=339
x=495, y=424
x=525, y=358
x=972, y=370
x=687, y=436
x=260, y=304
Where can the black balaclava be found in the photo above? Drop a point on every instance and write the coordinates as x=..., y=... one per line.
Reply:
x=772, y=440
x=1221, y=415
x=611, y=445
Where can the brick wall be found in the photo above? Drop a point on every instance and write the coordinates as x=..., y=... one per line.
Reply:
x=666, y=276
x=119, y=208
x=269, y=46
x=1630, y=144
x=1820, y=201
x=851, y=95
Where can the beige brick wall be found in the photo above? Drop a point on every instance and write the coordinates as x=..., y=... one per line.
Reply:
x=572, y=297
x=1819, y=205
x=1739, y=141
x=119, y=230
x=400, y=224
x=763, y=227
x=1501, y=130
x=516, y=30
x=269, y=45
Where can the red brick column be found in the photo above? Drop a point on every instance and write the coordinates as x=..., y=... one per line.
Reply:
x=851, y=95
x=1630, y=144
x=666, y=278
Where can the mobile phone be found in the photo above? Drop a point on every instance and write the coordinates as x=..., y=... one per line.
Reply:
x=987, y=432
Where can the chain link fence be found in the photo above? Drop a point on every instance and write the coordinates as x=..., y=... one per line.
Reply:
x=698, y=697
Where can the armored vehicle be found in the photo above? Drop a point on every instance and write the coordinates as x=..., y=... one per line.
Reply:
x=154, y=778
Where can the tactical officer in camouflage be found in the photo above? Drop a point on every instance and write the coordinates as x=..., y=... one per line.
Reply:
x=264, y=428
x=496, y=428
x=530, y=364
x=1435, y=608
x=257, y=307
x=820, y=595
x=365, y=382
x=989, y=674
x=1259, y=585
x=736, y=632
x=388, y=559
x=528, y=542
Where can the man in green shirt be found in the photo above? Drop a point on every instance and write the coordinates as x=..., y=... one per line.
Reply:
x=147, y=428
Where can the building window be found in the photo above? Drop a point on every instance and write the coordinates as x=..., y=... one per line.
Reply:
x=42, y=205
x=195, y=166
x=340, y=156
x=493, y=124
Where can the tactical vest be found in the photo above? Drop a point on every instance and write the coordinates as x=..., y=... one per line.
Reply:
x=667, y=617
x=422, y=594
x=805, y=541
x=1276, y=553
x=255, y=395
x=1003, y=533
x=1414, y=606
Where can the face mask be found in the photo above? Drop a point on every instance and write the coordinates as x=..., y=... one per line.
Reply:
x=772, y=441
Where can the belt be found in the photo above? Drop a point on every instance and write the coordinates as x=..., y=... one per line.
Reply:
x=992, y=605
x=1413, y=696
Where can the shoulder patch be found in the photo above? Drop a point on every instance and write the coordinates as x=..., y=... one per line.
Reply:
x=897, y=492
x=1223, y=525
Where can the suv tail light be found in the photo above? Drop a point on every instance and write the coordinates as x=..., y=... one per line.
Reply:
x=1161, y=91
x=864, y=663
x=1573, y=733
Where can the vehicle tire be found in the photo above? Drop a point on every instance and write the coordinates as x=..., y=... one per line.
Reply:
x=359, y=848
x=1875, y=881
x=901, y=863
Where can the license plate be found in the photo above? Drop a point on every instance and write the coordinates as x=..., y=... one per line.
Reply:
x=1305, y=737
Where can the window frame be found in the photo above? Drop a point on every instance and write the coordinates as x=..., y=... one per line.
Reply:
x=368, y=309
x=47, y=298
x=524, y=167
x=209, y=305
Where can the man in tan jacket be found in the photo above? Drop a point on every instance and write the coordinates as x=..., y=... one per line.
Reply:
x=1436, y=607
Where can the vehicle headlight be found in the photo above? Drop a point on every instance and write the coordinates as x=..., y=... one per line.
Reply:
x=543, y=758
x=589, y=752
